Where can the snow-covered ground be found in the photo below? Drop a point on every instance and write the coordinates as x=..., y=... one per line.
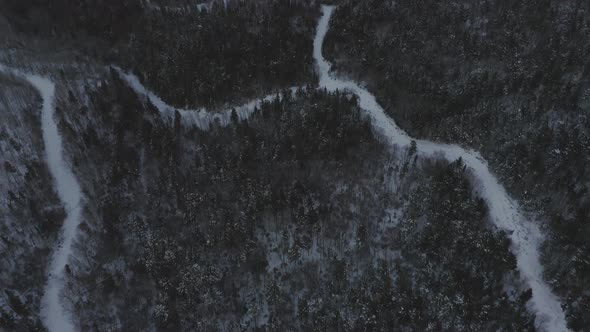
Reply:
x=54, y=316
x=200, y=118
x=504, y=211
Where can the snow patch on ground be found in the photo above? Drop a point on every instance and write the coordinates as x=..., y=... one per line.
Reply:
x=504, y=212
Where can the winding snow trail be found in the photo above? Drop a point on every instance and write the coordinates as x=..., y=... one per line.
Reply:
x=55, y=317
x=504, y=211
x=200, y=118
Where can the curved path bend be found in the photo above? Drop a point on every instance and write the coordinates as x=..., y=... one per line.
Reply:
x=201, y=117
x=504, y=211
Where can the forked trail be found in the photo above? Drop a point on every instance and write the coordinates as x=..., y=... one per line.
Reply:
x=504, y=211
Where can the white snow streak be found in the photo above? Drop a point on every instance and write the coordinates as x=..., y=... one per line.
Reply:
x=525, y=236
x=200, y=118
x=54, y=316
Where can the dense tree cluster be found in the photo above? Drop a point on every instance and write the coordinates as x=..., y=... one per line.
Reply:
x=510, y=79
x=82, y=19
x=298, y=219
x=445, y=222
x=204, y=58
x=294, y=219
x=190, y=55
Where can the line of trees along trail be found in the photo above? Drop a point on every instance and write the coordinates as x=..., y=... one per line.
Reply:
x=189, y=57
x=279, y=222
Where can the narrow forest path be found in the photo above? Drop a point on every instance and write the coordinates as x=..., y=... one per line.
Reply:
x=53, y=313
x=504, y=211
x=525, y=236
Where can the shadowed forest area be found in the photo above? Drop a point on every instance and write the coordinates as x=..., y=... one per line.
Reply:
x=299, y=217
x=190, y=56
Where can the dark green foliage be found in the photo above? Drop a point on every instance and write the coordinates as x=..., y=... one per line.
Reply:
x=189, y=57
x=224, y=55
x=458, y=257
x=102, y=19
x=508, y=79
x=276, y=223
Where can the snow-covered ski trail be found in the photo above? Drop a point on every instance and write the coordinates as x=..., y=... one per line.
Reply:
x=201, y=118
x=504, y=211
x=53, y=314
